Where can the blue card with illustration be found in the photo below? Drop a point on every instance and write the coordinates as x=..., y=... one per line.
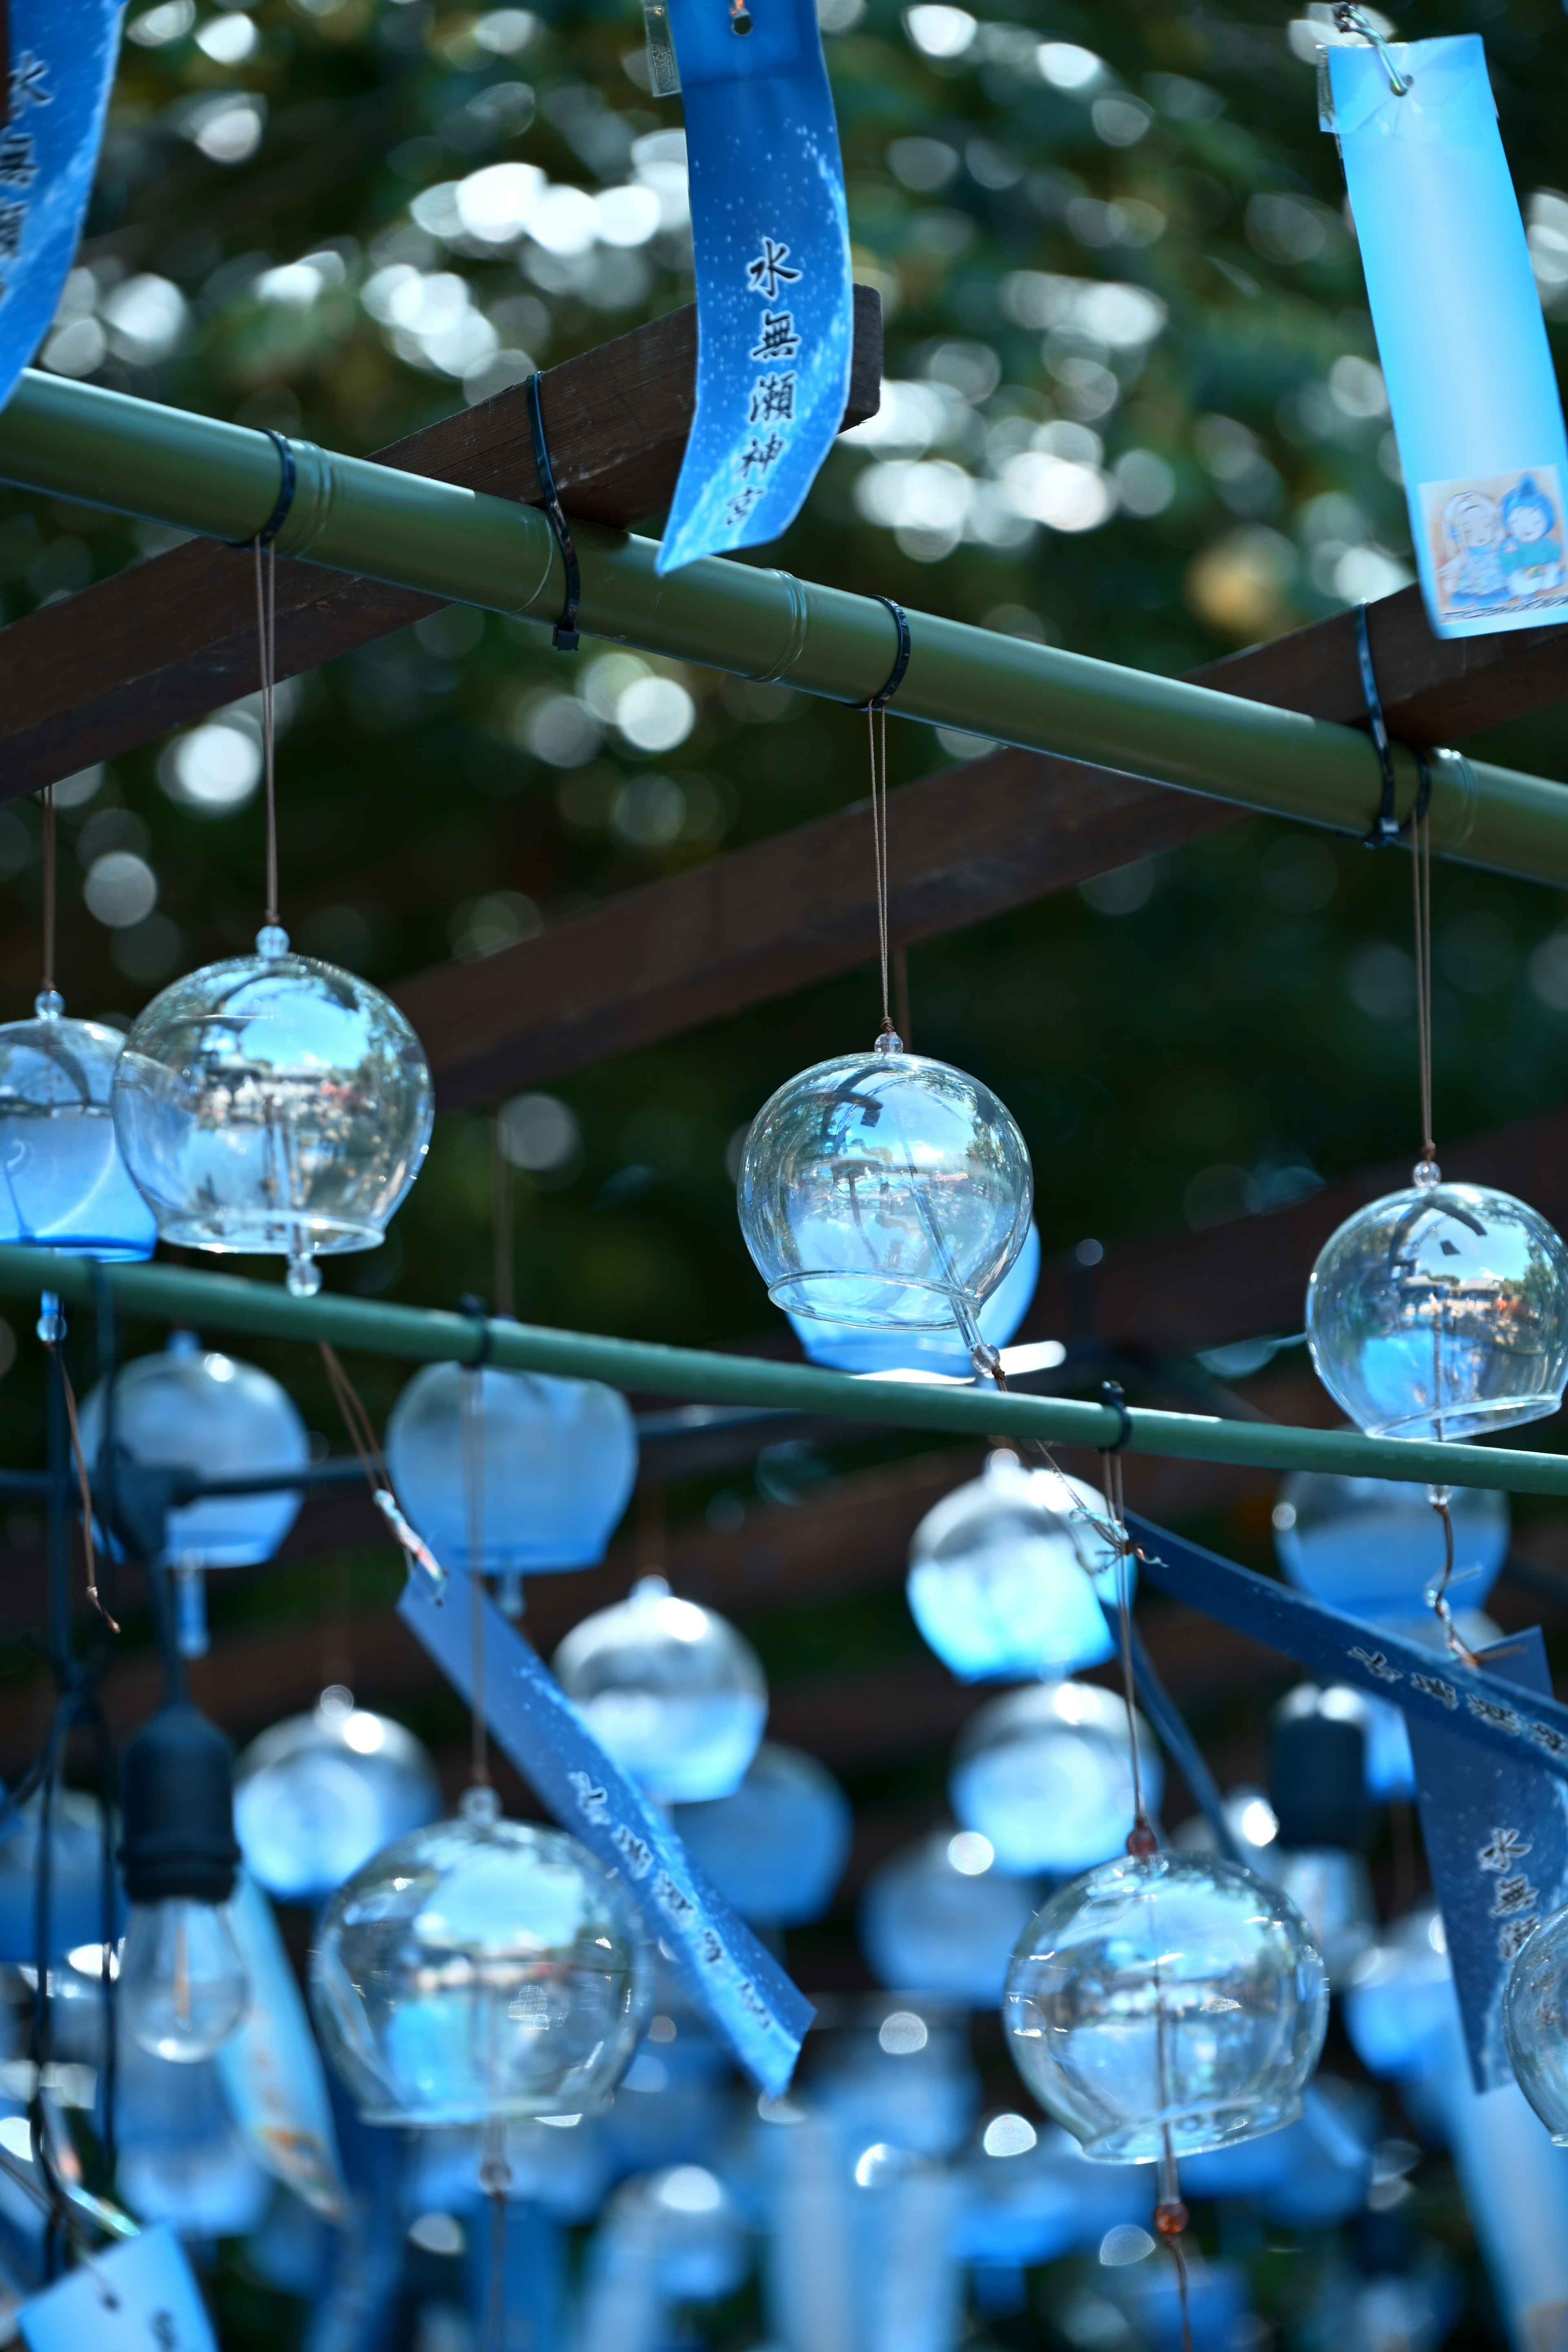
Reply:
x=775, y=301
x=62, y=62
x=1471, y=387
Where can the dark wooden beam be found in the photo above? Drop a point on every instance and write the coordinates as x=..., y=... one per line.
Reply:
x=167, y=641
x=761, y=922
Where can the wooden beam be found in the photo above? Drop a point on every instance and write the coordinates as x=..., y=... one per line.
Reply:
x=167, y=641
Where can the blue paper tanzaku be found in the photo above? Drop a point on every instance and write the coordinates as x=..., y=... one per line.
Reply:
x=742, y=1988
x=62, y=63
x=774, y=303
x=137, y=2298
x=1496, y=1832
x=1459, y=333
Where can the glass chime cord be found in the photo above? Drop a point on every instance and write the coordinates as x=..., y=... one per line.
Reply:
x=357, y=1422
x=495, y=2180
x=48, y=797
x=1421, y=915
x=473, y=1494
x=1421, y=884
x=876, y=731
x=83, y=1484
x=266, y=656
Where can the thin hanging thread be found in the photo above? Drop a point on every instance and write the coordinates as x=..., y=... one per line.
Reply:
x=473, y=1486
x=1421, y=891
x=878, y=712
x=47, y=798
x=1421, y=918
x=505, y=1284
x=1141, y=1838
x=83, y=1484
x=378, y=1478
x=266, y=654
x=495, y=2180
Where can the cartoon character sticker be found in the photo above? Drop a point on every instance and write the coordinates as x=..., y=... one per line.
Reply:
x=1498, y=543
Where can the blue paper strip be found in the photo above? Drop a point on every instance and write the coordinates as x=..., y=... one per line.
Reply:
x=742, y=1989
x=1496, y=1832
x=63, y=55
x=139, y=2297
x=1459, y=333
x=1429, y=1687
x=775, y=301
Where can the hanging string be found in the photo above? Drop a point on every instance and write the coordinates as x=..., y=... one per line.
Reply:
x=362, y=1433
x=876, y=733
x=46, y=987
x=505, y=1285
x=83, y=1483
x=473, y=1491
x=495, y=2180
x=1421, y=892
x=267, y=655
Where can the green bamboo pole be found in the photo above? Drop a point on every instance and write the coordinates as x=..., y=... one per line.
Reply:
x=221, y=1302
x=104, y=449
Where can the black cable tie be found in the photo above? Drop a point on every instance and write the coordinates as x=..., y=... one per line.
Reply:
x=285, y=498
x=1113, y=1398
x=879, y=701
x=474, y=1307
x=565, y=639
x=1386, y=825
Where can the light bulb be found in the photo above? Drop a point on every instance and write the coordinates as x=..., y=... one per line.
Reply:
x=182, y=1987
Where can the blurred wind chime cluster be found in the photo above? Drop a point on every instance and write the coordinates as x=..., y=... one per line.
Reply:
x=529, y=2030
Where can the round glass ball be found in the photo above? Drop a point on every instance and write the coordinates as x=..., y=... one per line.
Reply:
x=1167, y=1999
x=316, y=1797
x=273, y=1104
x=884, y=1189
x=193, y=1408
x=1535, y=2022
x=941, y=1919
x=1044, y=1774
x=776, y=1849
x=478, y=1970
x=1441, y=1312
x=839, y=1348
x=64, y=1185
x=1374, y=1549
x=669, y=1690
x=1008, y=1572
x=535, y=1470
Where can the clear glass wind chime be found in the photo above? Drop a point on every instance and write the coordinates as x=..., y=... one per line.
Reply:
x=884, y=1189
x=1440, y=1312
x=273, y=1103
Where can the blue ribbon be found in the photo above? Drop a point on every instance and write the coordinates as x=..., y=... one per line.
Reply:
x=1496, y=1834
x=775, y=301
x=747, y=1995
x=1429, y=1687
x=63, y=55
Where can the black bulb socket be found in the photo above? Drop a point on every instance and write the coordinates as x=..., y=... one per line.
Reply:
x=176, y=1787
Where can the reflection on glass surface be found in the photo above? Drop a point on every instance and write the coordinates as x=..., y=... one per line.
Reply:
x=883, y=1188
x=674, y=1693
x=1441, y=1312
x=1166, y=1994
x=63, y=1184
x=1007, y=1574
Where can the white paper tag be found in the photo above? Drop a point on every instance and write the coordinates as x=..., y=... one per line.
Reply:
x=139, y=2297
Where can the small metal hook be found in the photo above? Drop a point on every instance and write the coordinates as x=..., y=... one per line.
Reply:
x=1348, y=19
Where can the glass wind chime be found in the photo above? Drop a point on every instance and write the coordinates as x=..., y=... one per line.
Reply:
x=64, y=1185
x=884, y=1190
x=1440, y=1312
x=273, y=1103
x=505, y=1474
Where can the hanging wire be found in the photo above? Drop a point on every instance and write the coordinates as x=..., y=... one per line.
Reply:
x=266, y=656
x=473, y=1488
x=876, y=733
x=362, y=1432
x=495, y=2180
x=84, y=1486
x=46, y=987
x=1350, y=20
x=1421, y=892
